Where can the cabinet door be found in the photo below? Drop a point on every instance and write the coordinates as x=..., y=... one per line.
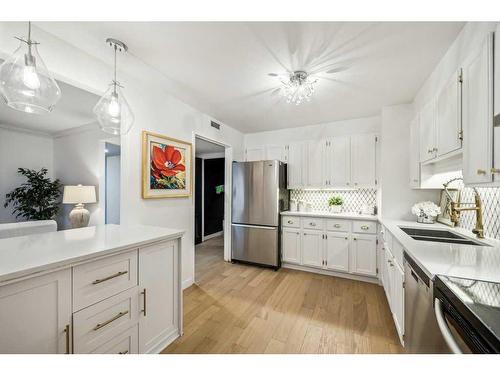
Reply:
x=337, y=251
x=338, y=162
x=295, y=165
x=397, y=297
x=428, y=132
x=274, y=152
x=290, y=245
x=477, y=121
x=312, y=248
x=414, y=154
x=254, y=154
x=313, y=163
x=159, y=284
x=363, y=153
x=449, y=116
x=388, y=275
x=35, y=314
x=364, y=254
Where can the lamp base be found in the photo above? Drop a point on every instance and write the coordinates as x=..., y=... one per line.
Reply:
x=79, y=216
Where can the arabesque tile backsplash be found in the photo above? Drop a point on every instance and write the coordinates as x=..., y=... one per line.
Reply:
x=491, y=211
x=354, y=200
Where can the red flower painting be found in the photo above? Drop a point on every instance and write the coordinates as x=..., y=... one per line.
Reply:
x=165, y=166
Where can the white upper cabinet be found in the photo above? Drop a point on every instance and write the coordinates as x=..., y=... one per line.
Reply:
x=477, y=107
x=427, y=126
x=277, y=152
x=296, y=163
x=255, y=153
x=449, y=117
x=337, y=162
x=363, y=154
x=414, y=154
x=313, y=163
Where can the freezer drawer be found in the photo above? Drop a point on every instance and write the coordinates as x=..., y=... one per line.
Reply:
x=255, y=244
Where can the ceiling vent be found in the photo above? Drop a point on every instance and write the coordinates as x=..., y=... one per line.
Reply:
x=213, y=124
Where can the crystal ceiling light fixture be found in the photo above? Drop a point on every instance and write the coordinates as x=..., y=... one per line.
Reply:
x=112, y=110
x=299, y=87
x=25, y=82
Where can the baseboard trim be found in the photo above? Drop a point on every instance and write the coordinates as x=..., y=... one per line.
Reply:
x=187, y=283
x=163, y=344
x=213, y=235
x=368, y=279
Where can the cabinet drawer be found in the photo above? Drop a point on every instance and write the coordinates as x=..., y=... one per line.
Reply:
x=291, y=221
x=364, y=226
x=338, y=225
x=312, y=223
x=103, y=278
x=124, y=343
x=99, y=323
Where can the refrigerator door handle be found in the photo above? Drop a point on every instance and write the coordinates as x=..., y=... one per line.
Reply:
x=253, y=226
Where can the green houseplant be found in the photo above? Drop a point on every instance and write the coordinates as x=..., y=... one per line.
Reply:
x=335, y=203
x=37, y=198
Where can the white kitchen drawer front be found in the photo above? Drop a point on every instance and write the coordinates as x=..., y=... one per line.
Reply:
x=338, y=225
x=103, y=278
x=291, y=221
x=312, y=223
x=125, y=343
x=99, y=323
x=364, y=226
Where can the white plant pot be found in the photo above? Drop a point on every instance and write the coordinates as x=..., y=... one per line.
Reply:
x=336, y=209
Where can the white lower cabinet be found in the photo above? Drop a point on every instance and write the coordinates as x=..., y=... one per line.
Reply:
x=337, y=251
x=312, y=248
x=363, y=254
x=330, y=246
x=35, y=315
x=397, y=290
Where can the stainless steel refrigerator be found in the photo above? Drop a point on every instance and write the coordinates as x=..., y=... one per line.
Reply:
x=259, y=195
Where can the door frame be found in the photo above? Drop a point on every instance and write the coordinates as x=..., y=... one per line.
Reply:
x=228, y=162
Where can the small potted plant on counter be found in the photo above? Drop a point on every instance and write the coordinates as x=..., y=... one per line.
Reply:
x=426, y=212
x=335, y=204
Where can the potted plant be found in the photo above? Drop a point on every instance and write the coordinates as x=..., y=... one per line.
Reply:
x=426, y=212
x=335, y=204
x=36, y=199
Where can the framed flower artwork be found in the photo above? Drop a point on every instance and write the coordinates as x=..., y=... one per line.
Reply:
x=166, y=167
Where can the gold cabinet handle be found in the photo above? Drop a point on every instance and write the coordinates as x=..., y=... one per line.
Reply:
x=365, y=227
x=495, y=170
x=98, y=281
x=346, y=238
x=117, y=316
x=290, y=222
x=481, y=171
x=144, y=301
x=354, y=238
x=312, y=224
x=66, y=331
x=337, y=225
x=124, y=352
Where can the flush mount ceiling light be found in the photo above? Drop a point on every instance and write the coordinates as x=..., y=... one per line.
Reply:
x=299, y=87
x=112, y=110
x=25, y=83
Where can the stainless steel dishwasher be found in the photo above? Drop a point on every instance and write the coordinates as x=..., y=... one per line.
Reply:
x=422, y=334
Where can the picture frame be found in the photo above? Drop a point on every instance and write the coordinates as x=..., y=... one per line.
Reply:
x=444, y=217
x=166, y=167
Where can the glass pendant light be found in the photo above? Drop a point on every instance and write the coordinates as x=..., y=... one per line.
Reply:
x=25, y=82
x=112, y=110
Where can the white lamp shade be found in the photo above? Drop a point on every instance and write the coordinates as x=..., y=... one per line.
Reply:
x=79, y=194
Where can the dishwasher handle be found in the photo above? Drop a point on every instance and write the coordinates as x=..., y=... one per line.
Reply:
x=443, y=327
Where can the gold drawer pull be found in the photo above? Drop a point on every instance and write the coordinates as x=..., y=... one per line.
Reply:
x=481, y=171
x=118, y=316
x=337, y=225
x=365, y=227
x=312, y=224
x=495, y=170
x=124, y=352
x=98, y=281
x=66, y=331
x=144, y=294
x=290, y=222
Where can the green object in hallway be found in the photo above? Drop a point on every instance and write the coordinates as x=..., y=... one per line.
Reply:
x=219, y=189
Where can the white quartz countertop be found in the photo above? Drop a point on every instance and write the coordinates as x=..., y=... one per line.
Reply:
x=25, y=255
x=439, y=258
x=330, y=215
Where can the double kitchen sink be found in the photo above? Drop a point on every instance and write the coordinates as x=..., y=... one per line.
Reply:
x=435, y=235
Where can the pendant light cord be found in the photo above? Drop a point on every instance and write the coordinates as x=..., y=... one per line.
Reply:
x=114, y=80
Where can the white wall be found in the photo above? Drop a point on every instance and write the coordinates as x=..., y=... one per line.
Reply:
x=337, y=128
x=21, y=149
x=396, y=195
x=113, y=189
x=154, y=110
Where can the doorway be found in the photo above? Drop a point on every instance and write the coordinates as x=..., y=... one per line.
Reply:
x=210, y=203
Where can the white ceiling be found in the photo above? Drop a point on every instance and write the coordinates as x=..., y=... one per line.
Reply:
x=204, y=147
x=223, y=68
x=73, y=109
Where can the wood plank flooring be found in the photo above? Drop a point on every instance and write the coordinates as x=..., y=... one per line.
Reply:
x=236, y=308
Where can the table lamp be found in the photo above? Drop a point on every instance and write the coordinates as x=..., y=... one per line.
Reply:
x=78, y=195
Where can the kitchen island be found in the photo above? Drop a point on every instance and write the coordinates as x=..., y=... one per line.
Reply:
x=104, y=289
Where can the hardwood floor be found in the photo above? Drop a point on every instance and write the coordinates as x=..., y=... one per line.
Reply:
x=236, y=308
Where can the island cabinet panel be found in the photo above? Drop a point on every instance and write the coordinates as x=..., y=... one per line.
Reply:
x=159, y=286
x=35, y=315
